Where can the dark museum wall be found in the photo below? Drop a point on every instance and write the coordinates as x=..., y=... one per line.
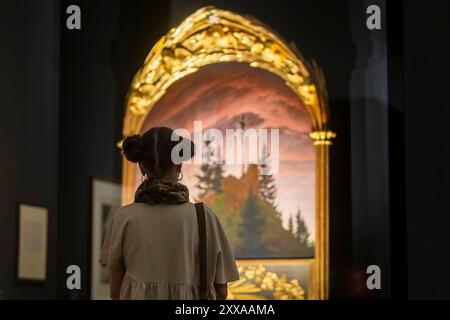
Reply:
x=62, y=108
x=29, y=91
x=369, y=160
x=427, y=147
x=87, y=130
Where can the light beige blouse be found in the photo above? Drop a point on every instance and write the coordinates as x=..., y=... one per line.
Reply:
x=157, y=247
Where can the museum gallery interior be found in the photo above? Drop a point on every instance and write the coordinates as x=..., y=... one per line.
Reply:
x=346, y=196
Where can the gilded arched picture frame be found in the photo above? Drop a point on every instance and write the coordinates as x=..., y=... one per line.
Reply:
x=211, y=35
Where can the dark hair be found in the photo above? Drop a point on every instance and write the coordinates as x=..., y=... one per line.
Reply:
x=154, y=148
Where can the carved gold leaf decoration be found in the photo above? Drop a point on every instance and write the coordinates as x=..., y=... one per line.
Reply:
x=212, y=35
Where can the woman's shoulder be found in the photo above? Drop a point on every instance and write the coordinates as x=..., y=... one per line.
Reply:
x=138, y=207
x=135, y=209
x=125, y=211
x=210, y=214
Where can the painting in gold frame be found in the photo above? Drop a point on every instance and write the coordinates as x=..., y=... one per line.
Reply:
x=209, y=36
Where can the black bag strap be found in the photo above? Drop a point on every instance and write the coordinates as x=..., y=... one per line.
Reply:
x=202, y=250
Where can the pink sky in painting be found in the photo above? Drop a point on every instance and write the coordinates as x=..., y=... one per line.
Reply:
x=219, y=95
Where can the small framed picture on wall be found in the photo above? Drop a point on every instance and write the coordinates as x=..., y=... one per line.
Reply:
x=32, y=243
x=106, y=198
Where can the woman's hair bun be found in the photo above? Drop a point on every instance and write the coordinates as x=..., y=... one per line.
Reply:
x=133, y=148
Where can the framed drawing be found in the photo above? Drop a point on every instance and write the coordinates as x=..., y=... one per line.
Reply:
x=32, y=248
x=106, y=198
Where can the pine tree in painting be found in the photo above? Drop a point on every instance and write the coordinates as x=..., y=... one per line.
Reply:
x=218, y=172
x=206, y=177
x=302, y=233
x=291, y=225
x=267, y=187
x=251, y=230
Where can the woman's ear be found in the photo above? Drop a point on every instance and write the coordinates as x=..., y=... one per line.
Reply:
x=178, y=167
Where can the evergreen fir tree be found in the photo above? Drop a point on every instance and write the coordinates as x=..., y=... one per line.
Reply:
x=291, y=224
x=267, y=187
x=302, y=233
x=251, y=230
x=218, y=172
x=206, y=177
x=211, y=171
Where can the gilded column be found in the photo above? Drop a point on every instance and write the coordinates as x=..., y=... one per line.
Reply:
x=322, y=142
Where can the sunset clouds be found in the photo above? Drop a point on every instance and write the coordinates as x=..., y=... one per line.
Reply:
x=220, y=95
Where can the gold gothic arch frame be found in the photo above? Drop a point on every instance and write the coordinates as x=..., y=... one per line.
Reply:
x=211, y=35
